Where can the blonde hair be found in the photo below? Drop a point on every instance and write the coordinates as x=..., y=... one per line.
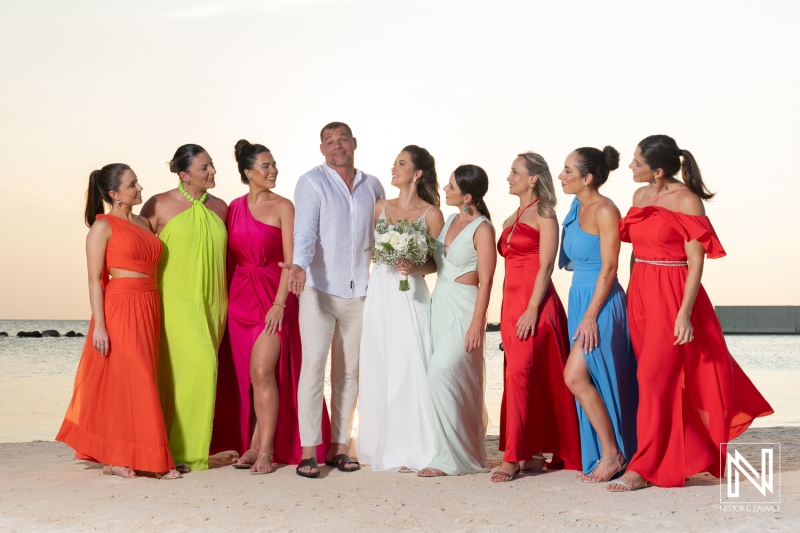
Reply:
x=536, y=165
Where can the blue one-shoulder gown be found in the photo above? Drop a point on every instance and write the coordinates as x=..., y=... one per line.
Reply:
x=612, y=365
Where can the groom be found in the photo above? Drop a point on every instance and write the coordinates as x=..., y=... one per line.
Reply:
x=335, y=212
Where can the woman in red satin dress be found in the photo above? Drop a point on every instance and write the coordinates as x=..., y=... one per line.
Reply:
x=692, y=394
x=538, y=413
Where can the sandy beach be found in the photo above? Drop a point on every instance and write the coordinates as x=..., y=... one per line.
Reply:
x=44, y=489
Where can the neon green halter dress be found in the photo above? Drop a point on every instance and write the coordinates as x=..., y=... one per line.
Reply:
x=191, y=281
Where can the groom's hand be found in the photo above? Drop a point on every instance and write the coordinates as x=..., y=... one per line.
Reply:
x=297, y=277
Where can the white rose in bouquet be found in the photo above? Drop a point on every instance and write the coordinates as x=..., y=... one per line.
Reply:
x=394, y=239
x=399, y=241
x=382, y=238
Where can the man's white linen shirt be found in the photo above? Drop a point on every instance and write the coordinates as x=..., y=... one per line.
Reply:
x=333, y=228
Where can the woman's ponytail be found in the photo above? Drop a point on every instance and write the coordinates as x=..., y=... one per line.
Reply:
x=101, y=182
x=692, y=177
x=661, y=151
x=94, y=200
x=482, y=209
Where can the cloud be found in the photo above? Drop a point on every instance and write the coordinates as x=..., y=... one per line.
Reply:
x=218, y=8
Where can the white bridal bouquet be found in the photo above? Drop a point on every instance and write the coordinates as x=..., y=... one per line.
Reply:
x=399, y=241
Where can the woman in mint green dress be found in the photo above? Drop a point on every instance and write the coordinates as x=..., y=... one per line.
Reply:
x=465, y=260
x=191, y=279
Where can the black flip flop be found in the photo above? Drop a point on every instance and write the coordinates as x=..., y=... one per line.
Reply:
x=310, y=462
x=340, y=460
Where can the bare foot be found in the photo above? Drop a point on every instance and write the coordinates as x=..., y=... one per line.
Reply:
x=121, y=471
x=606, y=469
x=430, y=472
x=306, y=469
x=172, y=474
x=505, y=472
x=248, y=458
x=535, y=464
x=629, y=482
x=263, y=464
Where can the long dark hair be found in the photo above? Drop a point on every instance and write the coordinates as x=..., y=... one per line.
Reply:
x=472, y=179
x=101, y=182
x=427, y=185
x=182, y=159
x=598, y=163
x=246, y=156
x=661, y=151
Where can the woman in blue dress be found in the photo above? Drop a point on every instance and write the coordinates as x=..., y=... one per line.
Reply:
x=601, y=368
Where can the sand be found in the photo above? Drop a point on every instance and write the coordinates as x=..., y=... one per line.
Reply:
x=44, y=489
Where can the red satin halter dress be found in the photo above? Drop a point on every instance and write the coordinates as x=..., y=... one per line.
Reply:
x=538, y=411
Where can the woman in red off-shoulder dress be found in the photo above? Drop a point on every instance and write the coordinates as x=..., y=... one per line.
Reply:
x=693, y=397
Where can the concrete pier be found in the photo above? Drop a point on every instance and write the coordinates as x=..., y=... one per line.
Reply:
x=759, y=319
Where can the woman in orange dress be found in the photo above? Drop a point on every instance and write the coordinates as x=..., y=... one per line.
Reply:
x=115, y=415
x=538, y=413
x=693, y=397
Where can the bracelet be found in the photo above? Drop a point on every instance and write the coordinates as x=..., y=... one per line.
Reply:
x=279, y=305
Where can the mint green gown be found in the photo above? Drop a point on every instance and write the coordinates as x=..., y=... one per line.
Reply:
x=455, y=377
x=191, y=280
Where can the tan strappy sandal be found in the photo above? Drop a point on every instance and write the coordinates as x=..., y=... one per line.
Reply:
x=121, y=471
x=260, y=459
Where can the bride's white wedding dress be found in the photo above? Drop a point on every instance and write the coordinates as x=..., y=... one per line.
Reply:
x=394, y=403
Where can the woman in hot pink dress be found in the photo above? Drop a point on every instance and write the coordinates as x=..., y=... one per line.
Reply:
x=260, y=356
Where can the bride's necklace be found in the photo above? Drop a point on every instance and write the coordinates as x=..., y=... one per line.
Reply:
x=190, y=197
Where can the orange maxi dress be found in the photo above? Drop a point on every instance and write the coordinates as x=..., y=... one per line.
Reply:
x=693, y=398
x=538, y=412
x=115, y=415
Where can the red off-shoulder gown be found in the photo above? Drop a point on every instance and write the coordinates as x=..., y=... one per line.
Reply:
x=692, y=397
x=538, y=411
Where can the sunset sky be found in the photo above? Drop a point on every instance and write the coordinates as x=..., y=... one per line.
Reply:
x=87, y=83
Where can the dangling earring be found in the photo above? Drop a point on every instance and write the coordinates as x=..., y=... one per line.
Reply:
x=119, y=202
x=465, y=208
x=655, y=181
x=249, y=176
x=530, y=185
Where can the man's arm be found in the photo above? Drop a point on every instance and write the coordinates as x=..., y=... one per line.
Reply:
x=306, y=223
x=306, y=232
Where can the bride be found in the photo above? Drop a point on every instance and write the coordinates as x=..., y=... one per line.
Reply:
x=394, y=405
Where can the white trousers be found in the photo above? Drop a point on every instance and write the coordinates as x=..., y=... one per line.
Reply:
x=328, y=324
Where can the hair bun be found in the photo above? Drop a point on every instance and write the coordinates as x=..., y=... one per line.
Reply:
x=240, y=146
x=612, y=157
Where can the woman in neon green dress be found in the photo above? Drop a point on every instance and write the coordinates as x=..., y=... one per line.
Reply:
x=191, y=279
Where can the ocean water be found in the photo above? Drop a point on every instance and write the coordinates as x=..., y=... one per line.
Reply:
x=37, y=377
